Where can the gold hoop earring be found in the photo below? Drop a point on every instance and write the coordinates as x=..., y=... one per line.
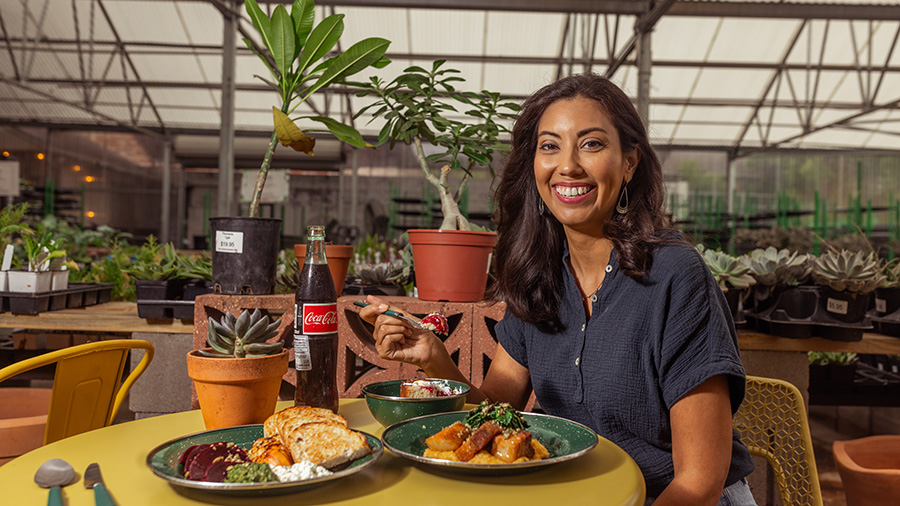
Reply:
x=620, y=207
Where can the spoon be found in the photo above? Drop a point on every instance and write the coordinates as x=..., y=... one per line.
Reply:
x=53, y=474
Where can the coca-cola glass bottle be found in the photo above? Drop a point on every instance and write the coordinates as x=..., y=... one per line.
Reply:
x=315, y=328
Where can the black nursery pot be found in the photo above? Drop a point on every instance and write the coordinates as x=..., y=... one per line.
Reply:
x=887, y=301
x=847, y=307
x=245, y=254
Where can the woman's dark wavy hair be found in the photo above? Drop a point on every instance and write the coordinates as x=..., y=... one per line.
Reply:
x=530, y=245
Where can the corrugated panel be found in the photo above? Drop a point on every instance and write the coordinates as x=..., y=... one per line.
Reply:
x=440, y=31
x=517, y=79
x=173, y=68
x=524, y=33
x=384, y=22
x=168, y=97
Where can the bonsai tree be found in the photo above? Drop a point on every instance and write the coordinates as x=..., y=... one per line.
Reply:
x=418, y=108
x=293, y=49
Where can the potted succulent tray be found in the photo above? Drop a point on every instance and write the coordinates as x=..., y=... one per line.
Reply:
x=76, y=295
x=809, y=311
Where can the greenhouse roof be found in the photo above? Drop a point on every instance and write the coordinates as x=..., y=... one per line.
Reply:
x=733, y=75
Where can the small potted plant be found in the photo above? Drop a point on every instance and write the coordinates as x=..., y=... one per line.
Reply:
x=775, y=271
x=295, y=51
x=847, y=279
x=887, y=296
x=238, y=377
x=10, y=224
x=39, y=252
x=732, y=274
x=420, y=107
x=831, y=371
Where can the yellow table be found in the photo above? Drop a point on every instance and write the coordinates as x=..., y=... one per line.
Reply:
x=604, y=476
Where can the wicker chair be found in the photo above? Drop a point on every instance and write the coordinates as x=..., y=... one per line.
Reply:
x=772, y=423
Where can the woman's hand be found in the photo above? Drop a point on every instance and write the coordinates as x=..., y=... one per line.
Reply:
x=396, y=340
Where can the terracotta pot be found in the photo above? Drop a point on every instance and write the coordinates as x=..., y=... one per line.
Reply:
x=338, y=256
x=23, y=417
x=451, y=265
x=236, y=391
x=869, y=469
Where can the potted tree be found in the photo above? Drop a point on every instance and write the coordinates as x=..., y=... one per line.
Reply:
x=421, y=107
x=296, y=52
x=238, y=377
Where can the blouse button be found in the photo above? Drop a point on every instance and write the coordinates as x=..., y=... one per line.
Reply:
x=577, y=361
x=609, y=268
x=582, y=327
x=593, y=298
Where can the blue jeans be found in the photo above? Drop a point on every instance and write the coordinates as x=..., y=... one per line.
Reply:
x=736, y=494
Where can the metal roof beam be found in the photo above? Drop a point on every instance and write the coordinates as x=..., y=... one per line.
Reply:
x=644, y=24
x=681, y=8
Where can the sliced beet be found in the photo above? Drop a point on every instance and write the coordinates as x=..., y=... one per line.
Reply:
x=217, y=471
x=201, y=461
x=186, y=455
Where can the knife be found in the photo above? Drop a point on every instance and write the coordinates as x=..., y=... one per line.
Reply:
x=93, y=479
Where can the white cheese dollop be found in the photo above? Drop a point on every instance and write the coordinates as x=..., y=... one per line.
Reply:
x=303, y=470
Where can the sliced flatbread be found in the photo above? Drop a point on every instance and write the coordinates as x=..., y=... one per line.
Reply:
x=326, y=444
x=288, y=419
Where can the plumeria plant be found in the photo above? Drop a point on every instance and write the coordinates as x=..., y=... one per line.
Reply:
x=299, y=57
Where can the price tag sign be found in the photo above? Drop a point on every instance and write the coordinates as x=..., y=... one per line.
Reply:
x=837, y=306
x=880, y=305
x=9, y=178
x=229, y=242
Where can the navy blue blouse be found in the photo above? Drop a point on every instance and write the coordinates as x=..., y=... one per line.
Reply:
x=646, y=345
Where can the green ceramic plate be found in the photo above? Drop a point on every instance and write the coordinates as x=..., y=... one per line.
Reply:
x=564, y=439
x=163, y=461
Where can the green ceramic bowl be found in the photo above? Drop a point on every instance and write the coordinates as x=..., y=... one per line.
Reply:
x=386, y=405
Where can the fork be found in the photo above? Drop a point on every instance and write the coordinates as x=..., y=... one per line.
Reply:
x=395, y=314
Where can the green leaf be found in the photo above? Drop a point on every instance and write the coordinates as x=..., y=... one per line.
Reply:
x=260, y=21
x=382, y=63
x=250, y=45
x=282, y=38
x=360, y=55
x=321, y=40
x=289, y=134
x=271, y=84
x=343, y=132
x=303, y=13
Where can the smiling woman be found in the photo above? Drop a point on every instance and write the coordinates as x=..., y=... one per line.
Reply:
x=613, y=320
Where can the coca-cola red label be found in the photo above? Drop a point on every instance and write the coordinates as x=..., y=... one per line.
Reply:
x=319, y=318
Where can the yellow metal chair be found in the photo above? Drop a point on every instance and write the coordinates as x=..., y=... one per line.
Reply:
x=772, y=423
x=86, y=392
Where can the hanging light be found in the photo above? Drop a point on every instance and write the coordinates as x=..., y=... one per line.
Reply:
x=76, y=168
x=89, y=179
x=40, y=156
x=89, y=214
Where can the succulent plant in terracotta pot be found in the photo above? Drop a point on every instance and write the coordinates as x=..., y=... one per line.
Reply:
x=238, y=378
